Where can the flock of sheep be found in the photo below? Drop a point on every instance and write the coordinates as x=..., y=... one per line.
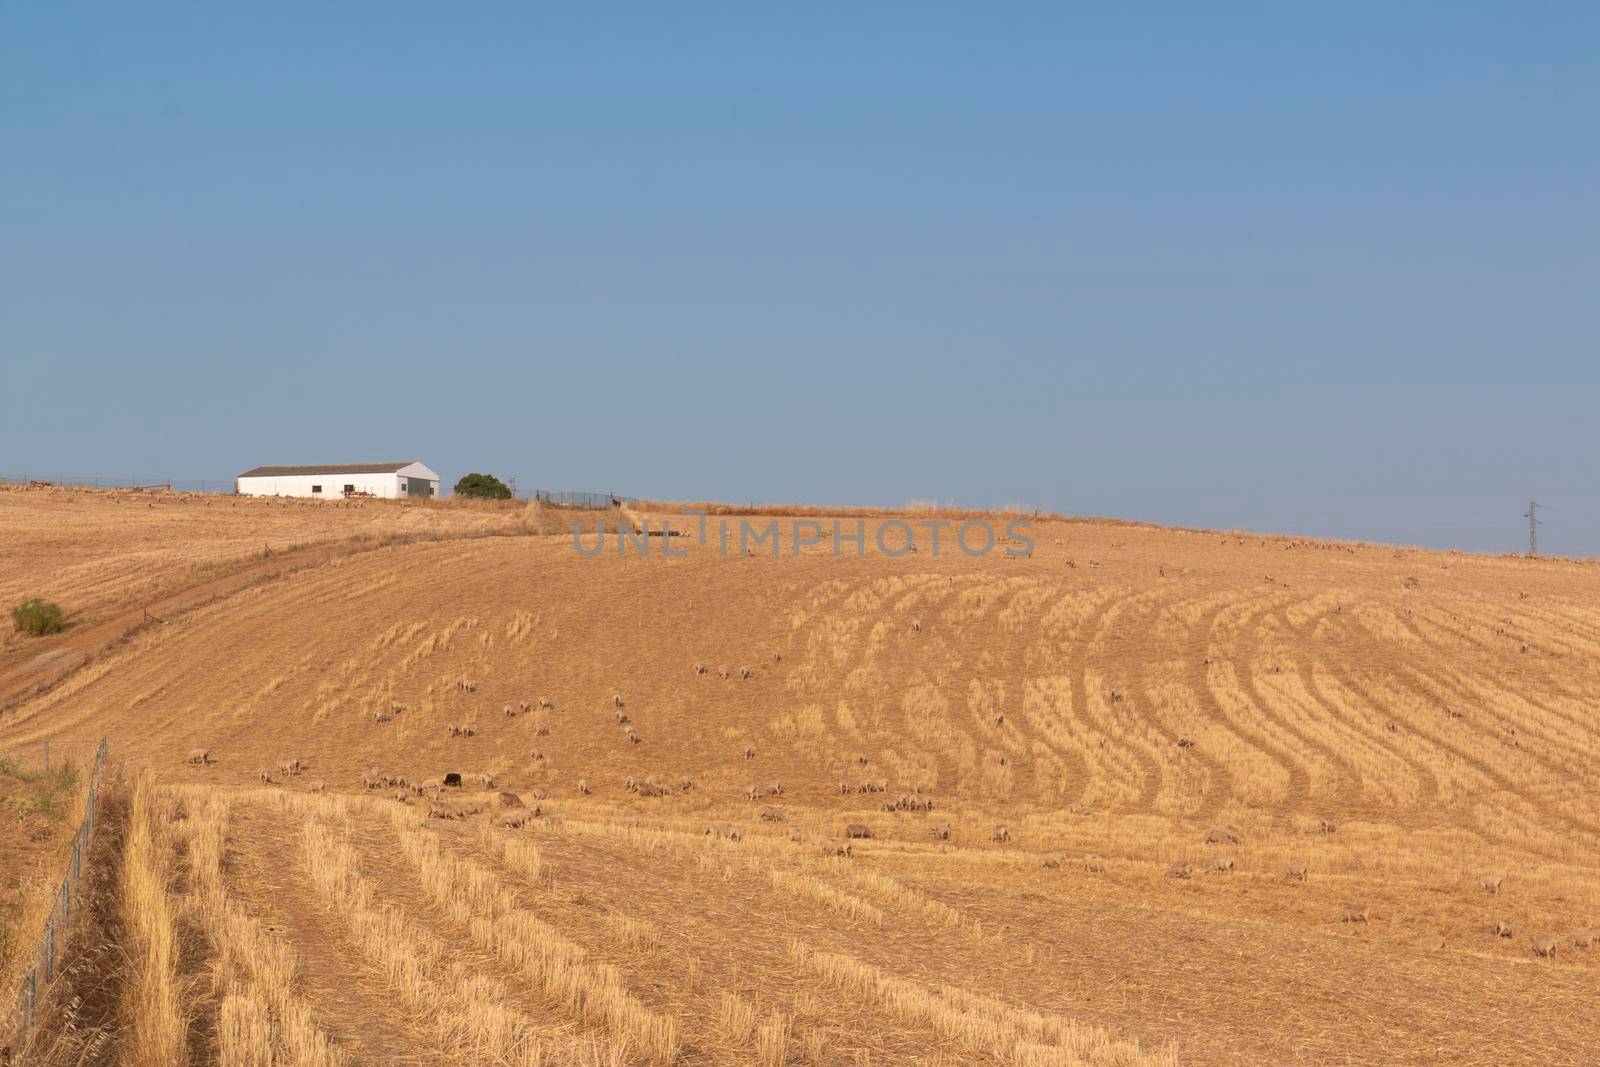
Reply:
x=514, y=811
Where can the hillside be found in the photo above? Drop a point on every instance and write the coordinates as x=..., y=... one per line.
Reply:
x=1390, y=725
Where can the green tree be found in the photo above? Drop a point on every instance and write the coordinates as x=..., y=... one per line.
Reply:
x=482, y=486
x=37, y=617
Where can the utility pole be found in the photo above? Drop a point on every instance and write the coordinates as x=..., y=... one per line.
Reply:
x=1533, y=527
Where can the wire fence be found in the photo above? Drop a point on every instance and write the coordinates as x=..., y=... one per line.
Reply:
x=569, y=499
x=18, y=1030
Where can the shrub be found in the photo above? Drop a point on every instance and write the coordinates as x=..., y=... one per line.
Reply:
x=482, y=486
x=37, y=617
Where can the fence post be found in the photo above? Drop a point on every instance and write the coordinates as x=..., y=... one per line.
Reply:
x=31, y=994
x=49, y=950
x=47, y=754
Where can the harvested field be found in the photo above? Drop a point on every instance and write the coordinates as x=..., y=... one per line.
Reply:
x=1314, y=729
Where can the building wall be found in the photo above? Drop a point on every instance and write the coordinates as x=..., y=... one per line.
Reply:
x=384, y=485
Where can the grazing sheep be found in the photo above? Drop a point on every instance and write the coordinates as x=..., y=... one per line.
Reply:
x=744, y=673
x=402, y=795
x=797, y=835
x=543, y=730
x=1223, y=835
x=525, y=705
x=1296, y=872
x=651, y=788
x=858, y=831
x=622, y=718
x=1490, y=883
x=731, y=832
x=1094, y=864
x=372, y=778
x=845, y=789
x=699, y=669
x=1116, y=696
x=777, y=657
x=749, y=753
x=197, y=755
x=316, y=785
x=1001, y=834
x=546, y=704
x=1503, y=928
x=861, y=759
x=916, y=625
x=509, y=800
x=583, y=787
x=486, y=778
x=750, y=792
x=940, y=831
x=289, y=768
x=838, y=848
x=459, y=729
x=537, y=755
x=510, y=712
x=1544, y=946
x=631, y=784
x=1431, y=942
x=1356, y=913
x=1222, y=864
x=397, y=709
x=1053, y=861
x=616, y=700
x=512, y=818
x=266, y=777
x=685, y=784
x=1180, y=869
x=428, y=785
x=379, y=716
x=633, y=738
x=723, y=673
x=775, y=789
x=999, y=718
x=1327, y=826
x=467, y=685
x=1583, y=938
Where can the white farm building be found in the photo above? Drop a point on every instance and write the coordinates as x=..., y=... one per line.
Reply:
x=339, y=480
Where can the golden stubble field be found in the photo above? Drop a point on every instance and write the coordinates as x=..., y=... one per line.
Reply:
x=1039, y=750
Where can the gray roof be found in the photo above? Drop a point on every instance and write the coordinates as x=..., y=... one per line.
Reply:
x=331, y=468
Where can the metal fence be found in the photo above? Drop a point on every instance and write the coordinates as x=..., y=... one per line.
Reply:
x=19, y=1022
x=567, y=499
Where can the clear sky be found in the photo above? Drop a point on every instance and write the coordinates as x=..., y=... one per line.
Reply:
x=1249, y=267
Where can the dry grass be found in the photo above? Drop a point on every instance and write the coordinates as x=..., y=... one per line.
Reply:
x=1108, y=700
x=154, y=1004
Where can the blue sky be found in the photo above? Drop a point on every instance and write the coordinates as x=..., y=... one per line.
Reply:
x=1260, y=268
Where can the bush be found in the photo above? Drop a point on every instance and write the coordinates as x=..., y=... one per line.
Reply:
x=482, y=486
x=37, y=617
